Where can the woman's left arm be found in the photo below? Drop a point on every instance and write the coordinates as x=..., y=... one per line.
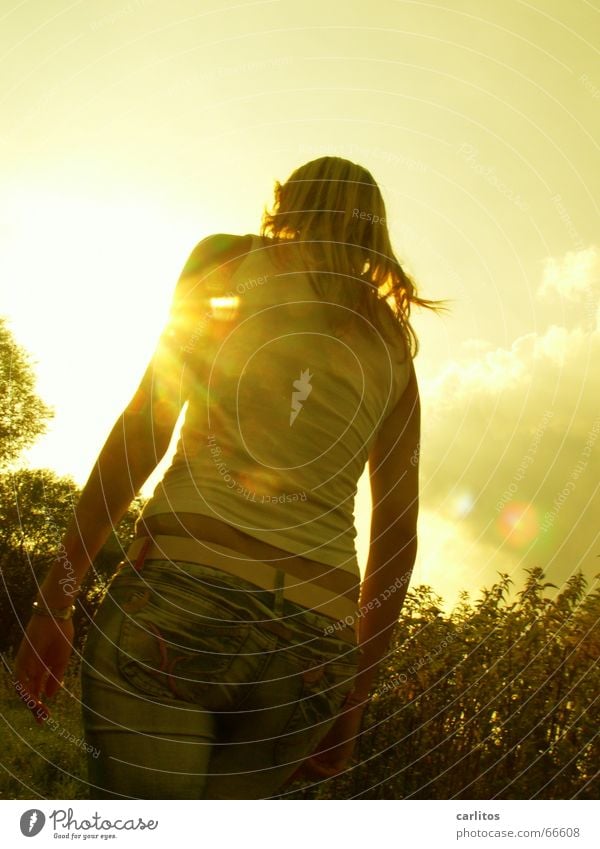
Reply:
x=136, y=444
x=140, y=436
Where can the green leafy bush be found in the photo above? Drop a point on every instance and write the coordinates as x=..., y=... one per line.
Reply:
x=497, y=700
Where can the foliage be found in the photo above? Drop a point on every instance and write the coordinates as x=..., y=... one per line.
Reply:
x=43, y=761
x=498, y=700
x=35, y=507
x=22, y=414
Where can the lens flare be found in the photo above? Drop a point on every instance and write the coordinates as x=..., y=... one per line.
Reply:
x=519, y=523
x=224, y=308
x=464, y=503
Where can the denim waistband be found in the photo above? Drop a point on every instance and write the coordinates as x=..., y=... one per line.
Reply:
x=271, y=604
x=305, y=592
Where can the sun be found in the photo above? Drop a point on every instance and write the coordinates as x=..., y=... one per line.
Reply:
x=91, y=281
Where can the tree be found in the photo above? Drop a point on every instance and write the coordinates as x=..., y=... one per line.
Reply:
x=35, y=508
x=36, y=505
x=23, y=415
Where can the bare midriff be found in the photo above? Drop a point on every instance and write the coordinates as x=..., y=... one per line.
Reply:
x=208, y=529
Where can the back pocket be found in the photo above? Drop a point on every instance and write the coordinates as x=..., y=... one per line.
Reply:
x=319, y=699
x=170, y=652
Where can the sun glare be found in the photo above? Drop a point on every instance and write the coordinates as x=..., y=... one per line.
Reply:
x=91, y=282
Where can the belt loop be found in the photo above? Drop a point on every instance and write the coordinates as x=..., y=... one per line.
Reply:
x=142, y=555
x=279, y=585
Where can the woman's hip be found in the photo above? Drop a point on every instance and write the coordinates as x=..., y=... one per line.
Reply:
x=189, y=632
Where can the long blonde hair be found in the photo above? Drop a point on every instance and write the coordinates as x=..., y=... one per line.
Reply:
x=332, y=209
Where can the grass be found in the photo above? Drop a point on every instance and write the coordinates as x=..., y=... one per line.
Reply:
x=43, y=761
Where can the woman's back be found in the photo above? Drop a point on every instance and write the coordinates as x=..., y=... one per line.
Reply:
x=294, y=372
x=286, y=392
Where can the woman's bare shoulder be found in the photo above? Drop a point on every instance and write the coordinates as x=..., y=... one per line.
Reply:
x=217, y=247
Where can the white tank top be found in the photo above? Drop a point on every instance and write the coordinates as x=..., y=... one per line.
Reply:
x=282, y=411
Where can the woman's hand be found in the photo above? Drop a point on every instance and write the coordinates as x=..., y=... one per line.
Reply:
x=334, y=752
x=43, y=657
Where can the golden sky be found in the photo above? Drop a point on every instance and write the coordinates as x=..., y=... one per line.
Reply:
x=132, y=130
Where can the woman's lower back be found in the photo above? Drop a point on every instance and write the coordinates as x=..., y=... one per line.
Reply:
x=209, y=529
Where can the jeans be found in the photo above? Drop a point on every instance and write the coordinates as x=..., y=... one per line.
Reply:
x=197, y=684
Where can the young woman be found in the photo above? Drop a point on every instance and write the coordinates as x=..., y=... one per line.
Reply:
x=232, y=650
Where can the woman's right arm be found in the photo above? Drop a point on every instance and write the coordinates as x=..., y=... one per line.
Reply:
x=394, y=473
x=394, y=478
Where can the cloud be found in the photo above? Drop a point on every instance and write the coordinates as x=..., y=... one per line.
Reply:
x=511, y=441
x=572, y=276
